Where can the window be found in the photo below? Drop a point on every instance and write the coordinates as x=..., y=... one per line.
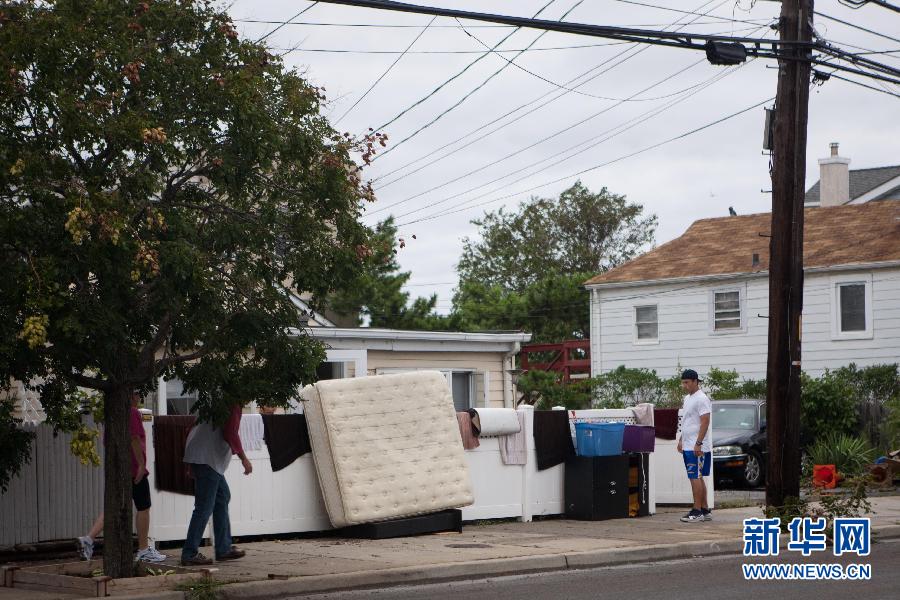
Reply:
x=646, y=324
x=469, y=388
x=851, y=307
x=727, y=310
x=461, y=388
x=178, y=400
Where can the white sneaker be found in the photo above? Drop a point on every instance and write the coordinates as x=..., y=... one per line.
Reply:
x=150, y=554
x=85, y=547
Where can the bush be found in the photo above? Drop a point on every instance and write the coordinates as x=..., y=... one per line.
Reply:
x=724, y=385
x=545, y=389
x=848, y=454
x=877, y=396
x=827, y=405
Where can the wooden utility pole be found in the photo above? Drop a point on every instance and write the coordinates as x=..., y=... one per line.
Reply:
x=786, y=254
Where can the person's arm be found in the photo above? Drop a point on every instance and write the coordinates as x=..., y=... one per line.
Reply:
x=137, y=450
x=231, y=434
x=701, y=436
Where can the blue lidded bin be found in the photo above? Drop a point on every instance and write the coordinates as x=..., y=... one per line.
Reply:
x=599, y=439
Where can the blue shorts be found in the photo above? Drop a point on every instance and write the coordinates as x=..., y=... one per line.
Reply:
x=697, y=466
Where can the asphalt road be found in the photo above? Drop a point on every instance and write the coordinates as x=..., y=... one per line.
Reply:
x=715, y=578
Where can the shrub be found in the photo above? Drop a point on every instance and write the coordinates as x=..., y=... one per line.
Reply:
x=827, y=405
x=15, y=445
x=848, y=454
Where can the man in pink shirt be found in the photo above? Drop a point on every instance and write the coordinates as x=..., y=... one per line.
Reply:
x=140, y=493
x=208, y=451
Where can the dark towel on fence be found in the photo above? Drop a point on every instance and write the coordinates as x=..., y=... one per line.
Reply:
x=666, y=422
x=169, y=436
x=552, y=438
x=287, y=439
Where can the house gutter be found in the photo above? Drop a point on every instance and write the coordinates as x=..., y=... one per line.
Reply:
x=729, y=276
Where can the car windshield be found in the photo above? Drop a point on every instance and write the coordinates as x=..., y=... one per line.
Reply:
x=734, y=416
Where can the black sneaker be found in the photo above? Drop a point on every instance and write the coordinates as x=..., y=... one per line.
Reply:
x=707, y=514
x=695, y=516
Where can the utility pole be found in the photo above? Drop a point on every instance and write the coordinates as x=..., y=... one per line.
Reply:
x=786, y=254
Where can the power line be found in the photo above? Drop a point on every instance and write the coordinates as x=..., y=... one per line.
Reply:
x=718, y=21
x=473, y=91
x=388, y=70
x=754, y=47
x=457, y=75
x=286, y=22
x=865, y=85
x=580, y=147
x=859, y=27
x=860, y=3
x=633, y=49
x=595, y=167
x=542, y=140
x=512, y=51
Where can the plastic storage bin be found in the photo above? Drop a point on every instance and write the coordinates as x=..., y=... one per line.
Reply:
x=639, y=438
x=599, y=439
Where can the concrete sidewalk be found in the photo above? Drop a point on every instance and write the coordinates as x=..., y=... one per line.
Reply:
x=275, y=569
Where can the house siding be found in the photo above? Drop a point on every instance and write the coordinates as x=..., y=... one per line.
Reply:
x=685, y=339
x=484, y=362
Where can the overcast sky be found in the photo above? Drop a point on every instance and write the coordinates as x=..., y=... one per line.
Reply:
x=696, y=177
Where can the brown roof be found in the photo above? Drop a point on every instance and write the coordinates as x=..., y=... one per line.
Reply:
x=839, y=235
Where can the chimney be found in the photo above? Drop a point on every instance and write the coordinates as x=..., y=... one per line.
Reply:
x=834, y=179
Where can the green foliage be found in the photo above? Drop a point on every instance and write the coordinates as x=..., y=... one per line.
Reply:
x=623, y=387
x=545, y=389
x=553, y=309
x=15, y=445
x=165, y=186
x=526, y=269
x=581, y=232
x=827, y=405
x=727, y=385
x=830, y=506
x=877, y=395
x=848, y=454
x=378, y=291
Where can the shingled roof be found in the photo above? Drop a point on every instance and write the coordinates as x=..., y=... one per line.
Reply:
x=862, y=181
x=836, y=235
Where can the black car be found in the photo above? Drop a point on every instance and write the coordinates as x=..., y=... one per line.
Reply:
x=739, y=441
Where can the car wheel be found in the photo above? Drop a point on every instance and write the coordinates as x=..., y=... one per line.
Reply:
x=753, y=470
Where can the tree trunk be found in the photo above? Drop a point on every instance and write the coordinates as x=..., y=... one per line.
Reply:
x=117, y=528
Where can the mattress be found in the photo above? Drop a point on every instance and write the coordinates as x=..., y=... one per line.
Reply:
x=386, y=447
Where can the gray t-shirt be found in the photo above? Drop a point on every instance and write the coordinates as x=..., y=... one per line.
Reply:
x=207, y=446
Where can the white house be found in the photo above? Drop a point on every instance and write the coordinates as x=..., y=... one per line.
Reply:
x=701, y=300
x=838, y=184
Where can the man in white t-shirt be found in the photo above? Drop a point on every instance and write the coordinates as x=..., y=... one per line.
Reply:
x=695, y=444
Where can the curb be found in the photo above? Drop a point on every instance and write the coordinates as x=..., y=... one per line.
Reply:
x=497, y=567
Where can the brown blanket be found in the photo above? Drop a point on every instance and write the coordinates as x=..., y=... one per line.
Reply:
x=169, y=437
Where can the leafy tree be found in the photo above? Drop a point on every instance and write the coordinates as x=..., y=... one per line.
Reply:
x=552, y=309
x=161, y=182
x=378, y=291
x=527, y=268
x=580, y=232
x=15, y=445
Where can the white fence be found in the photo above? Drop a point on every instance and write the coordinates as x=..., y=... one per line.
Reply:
x=57, y=498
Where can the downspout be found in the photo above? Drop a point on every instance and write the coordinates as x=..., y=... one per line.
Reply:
x=508, y=358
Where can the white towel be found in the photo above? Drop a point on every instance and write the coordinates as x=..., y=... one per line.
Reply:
x=512, y=446
x=643, y=413
x=497, y=421
x=252, y=431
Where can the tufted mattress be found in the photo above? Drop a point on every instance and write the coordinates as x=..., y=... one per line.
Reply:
x=386, y=446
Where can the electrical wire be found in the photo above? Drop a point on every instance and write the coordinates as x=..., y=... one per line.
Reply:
x=633, y=49
x=577, y=148
x=468, y=95
x=859, y=27
x=286, y=22
x=594, y=167
x=388, y=70
x=454, y=77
